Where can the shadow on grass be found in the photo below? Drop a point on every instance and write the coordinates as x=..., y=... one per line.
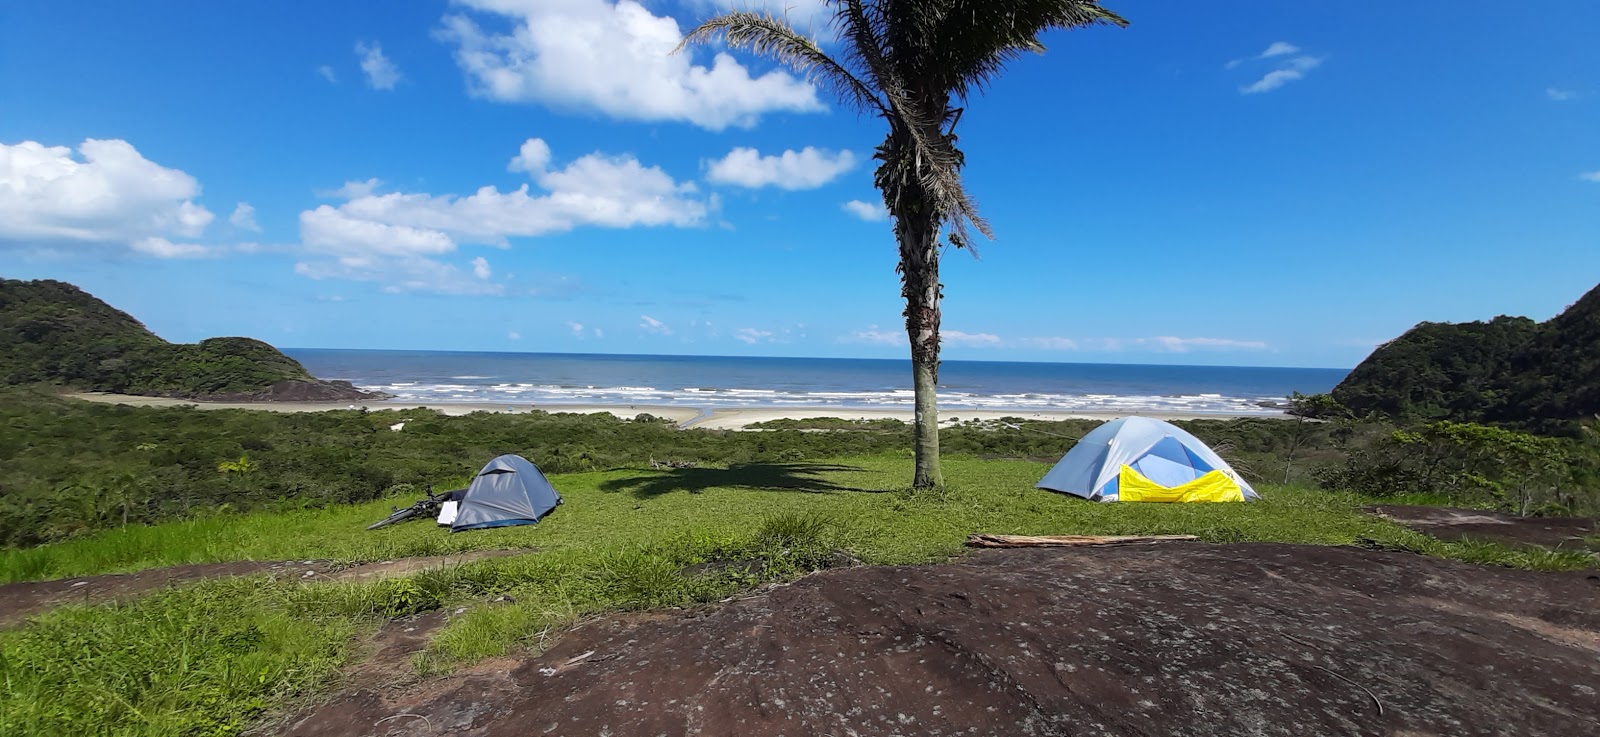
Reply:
x=802, y=477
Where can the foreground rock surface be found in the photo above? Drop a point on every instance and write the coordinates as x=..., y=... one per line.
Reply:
x=1567, y=533
x=1191, y=639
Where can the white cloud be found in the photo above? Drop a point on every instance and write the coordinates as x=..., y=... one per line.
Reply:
x=244, y=217
x=162, y=248
x=1593, y=176
x=1296, y=69
x=533, y=157
x=807, y=168
x=398, y=274
x=1183, y=345
x=752, y=335
x=1170, y=344
x=880, y=337
x=369, y=234
x=1559, y=95
x=1050, y=343
x=1160, y=344
x=956, y=337
x=654, y=326
x=1279, y=48
x=381, y=73
x=1291, y=65
x=480, y=268
x=513, y=335
x=598, y=333
x=577, y=329
x=866, y=210
x=107, y=194
x=327, y=73
x=613, y=58
x=351, y=190
x=810, y=16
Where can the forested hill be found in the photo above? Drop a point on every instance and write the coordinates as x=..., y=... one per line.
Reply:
x=54, y=332
x=1509, y=369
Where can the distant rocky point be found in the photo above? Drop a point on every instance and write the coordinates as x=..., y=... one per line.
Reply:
x=53, y=332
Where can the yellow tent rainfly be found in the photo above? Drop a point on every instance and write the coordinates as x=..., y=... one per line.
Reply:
x=1137, y=459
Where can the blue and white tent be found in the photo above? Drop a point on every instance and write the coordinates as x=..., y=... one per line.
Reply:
x=1141, y=459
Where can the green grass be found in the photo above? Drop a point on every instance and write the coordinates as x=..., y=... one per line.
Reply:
x=208, y=658
x=608, y=508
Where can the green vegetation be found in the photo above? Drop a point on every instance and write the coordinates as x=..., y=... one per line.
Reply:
x=1541, y=376
x=916, y=66
x=119, y=488
x=1465, y=463
x=624, y=540
x=69, y=467
x=54, y=332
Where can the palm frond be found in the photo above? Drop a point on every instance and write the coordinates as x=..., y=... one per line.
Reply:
x=975, y=39
x=774, y=38
x=933, y=157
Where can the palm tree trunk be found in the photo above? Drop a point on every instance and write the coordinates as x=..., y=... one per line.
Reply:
x=917, y=231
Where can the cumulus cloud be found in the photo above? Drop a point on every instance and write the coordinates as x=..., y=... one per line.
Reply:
x=395, y=237
x=1592, y=176
x=513, y=335
x=1288, y=62
x=480, y=268
x=653, y=326
x=576, y=328
x=613, y=58
x=327, y=73
x=108, y=193
x=244, y=217
x=866, y=210
x=752, y=335
x=1559, y=95
x=382, y=74
x=807, y=168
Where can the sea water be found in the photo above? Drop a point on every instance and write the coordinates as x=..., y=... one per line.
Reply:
x=540, y=379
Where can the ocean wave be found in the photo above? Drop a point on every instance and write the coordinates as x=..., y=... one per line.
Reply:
x=554, y=394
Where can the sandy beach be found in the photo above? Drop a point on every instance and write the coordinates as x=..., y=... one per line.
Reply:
x=707, y=418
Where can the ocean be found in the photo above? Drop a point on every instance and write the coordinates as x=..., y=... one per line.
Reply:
x=542, y=379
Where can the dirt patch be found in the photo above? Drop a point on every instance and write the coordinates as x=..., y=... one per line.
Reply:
x=403, y=566
x=18, y=601
x=1186, y=638
x=1577, y=533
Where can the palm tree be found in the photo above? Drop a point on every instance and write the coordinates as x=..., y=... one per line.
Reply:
x=909, y=62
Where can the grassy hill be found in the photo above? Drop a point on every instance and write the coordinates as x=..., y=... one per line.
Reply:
x=54, y=332
x=1510, y=369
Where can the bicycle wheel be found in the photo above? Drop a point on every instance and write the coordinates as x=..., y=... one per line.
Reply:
x=399, y=516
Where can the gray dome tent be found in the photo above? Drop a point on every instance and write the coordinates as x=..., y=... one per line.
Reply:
x=508, y=491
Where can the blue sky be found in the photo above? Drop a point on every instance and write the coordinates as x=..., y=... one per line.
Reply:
x=1253, y=182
